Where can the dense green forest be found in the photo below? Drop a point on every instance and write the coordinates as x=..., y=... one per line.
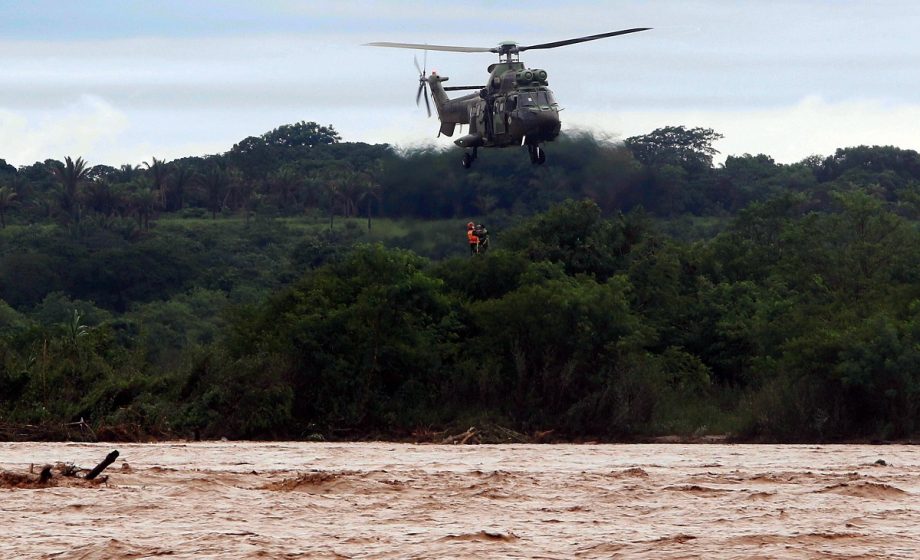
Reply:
x=299, y=286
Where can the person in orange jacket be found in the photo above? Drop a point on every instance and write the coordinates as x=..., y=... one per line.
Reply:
x=472, y=238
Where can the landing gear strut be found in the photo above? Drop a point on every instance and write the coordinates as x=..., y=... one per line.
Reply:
x=537, y=155
x=469, y=158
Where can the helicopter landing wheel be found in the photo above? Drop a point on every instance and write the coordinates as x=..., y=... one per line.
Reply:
x=537, y=155
x=469, y=158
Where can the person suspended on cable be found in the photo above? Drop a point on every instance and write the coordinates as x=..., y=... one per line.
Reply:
x=472, y=238
x=478, y=238
x=483, y=235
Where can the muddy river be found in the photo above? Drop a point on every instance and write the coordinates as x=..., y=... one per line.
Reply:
x=382, y=500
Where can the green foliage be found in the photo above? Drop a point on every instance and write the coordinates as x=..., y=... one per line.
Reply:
x=241, y=398
x=11, y=321
x=358, y=339
x=690, y=149
x=481, y=279
x=8, y=201
x=70, y=174
x=299, y=285
x=558, y=351
x=168, y=329
x=301, y=134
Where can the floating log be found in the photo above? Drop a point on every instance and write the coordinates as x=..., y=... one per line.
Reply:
x=109, y=459
x=461, y=438
x=510, y=435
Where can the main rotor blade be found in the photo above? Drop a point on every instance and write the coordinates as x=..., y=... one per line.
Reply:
x=581, y=39
x=456, y=88
x=428, y=47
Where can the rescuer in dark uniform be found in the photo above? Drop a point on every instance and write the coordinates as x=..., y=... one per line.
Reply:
x=472, y=238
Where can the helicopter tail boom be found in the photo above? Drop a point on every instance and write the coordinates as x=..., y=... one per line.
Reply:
x=450, y=111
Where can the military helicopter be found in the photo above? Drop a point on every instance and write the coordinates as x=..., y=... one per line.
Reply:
x=515, y=107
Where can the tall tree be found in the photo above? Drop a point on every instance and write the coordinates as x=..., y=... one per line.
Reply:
x=7, y=200
x=306, y=134
x=372, y=187
x=284, y=185
x=145, y=202
x=126, y=173
x=331, y=181
x=215, y=182
x=182, y=177
x=99, y=196
x=353, y=184
x=676, y=145
x=70, y=174
x=158, y=172
x=6, y=169
x=241, y=191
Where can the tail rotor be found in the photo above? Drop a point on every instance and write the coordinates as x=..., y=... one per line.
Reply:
x=422, y=82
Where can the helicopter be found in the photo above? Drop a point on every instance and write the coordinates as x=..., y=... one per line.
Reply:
x=514, y=108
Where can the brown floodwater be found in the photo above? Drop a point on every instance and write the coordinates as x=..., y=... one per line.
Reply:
x=383, y=500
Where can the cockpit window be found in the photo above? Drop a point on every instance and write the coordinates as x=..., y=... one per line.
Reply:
x=539, y=98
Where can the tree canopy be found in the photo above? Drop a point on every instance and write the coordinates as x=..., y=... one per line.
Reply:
x=633, y=290
x=675, y=145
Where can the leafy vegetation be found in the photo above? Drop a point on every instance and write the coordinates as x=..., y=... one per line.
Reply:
x=299, y=286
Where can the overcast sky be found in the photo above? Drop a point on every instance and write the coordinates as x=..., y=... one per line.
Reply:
x=120, y=81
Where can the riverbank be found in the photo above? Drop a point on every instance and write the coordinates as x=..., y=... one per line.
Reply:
x=473, y=435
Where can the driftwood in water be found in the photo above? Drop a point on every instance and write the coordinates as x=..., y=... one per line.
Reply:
x=489, y=433
x=109, y=459
x=461, y=439
x=9, y=479
x=60, y=474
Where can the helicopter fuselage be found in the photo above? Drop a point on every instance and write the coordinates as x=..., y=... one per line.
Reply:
x=514, y=108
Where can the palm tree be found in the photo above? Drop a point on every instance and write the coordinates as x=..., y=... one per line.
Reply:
x=215, y=183
x=322, y=188
x=158, y=171
x=240, y=192
x=373, y=189
x=332, y=182
x=245, y=196
x=99, y=197
x=7, y=200
x=182, y=177
x=350, y=190
x=370, y=191
x=284, y=184
x=126, y=173
x=70, y=174
x=144, y=201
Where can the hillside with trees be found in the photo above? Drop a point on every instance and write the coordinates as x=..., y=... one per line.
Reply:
x=298, y=286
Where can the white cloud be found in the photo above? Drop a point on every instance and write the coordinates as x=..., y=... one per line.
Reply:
x=101, y=133
x=87, y=127
x=788, y=134
x=190, y=79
